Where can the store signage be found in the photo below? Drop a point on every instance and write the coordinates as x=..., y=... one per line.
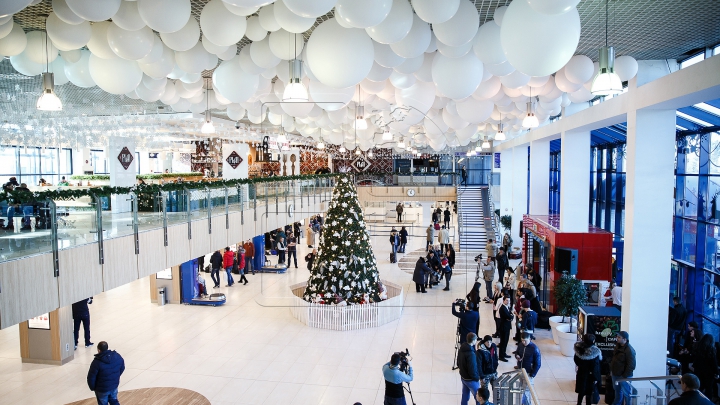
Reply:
x=275, y=145
x=125, y=157
x=234, y=160
x=40, y=322
x=497, y=160
x=153, y=155
x=361, y=164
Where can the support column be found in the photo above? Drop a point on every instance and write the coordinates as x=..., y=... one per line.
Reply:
x=519, y=191
x=240, y=152
x=48, y=338
x=540, y=177
x=506, y=182
x=648, y=236
x=120, y=176
x=575, y=181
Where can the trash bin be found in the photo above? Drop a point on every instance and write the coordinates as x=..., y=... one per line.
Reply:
x=161, y=296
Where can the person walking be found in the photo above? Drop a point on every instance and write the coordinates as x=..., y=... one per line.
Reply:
x=467, y=364
x=310, y=259
x=249, y=257
x=281, y=248
x=446, y=217
x=705, y=365
x=443, y=238
x=81, y=314
x=310, y=236
x=228, y=260
x=506, y=318
x=487, y=361
x=430, y=235
x=622, y=365
x=587, y=368
x=419, y=275
x=216, y=262
x=104, y=375
x=676, y=323
x=463, y=173
x=292, y=249
x=690, y=385
x=447, y=273
x=488, y=270
x=399, y=210
x=242, y=262
x=403, y=239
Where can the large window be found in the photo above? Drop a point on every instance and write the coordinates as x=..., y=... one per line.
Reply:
x=30, y=164
x=607, y=188
x=554, y=204
x=99, y=162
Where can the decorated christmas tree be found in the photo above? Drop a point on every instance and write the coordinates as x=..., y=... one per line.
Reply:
x=345, y=271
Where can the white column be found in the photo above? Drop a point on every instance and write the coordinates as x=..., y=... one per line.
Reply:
x=519, y=190
x=145, y=162
x=119, y=175
x=539, y=177
x=241, y=171
x=506, y=182
x=574, y=181
x=648, y=235
x=81, y=161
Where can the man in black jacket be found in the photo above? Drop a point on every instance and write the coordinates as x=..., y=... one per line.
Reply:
x=81, y=313
x=104, y=374
x=690, y=384
x=467, y=364
x=216, y=262
x=506, y=318
x=676, y=323
x=420, y=274
x=469, y=318
x=502, y=263
x=622, y=365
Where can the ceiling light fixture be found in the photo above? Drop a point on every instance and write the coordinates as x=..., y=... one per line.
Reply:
x=357, y=151
x=607, y=82
x=500, y=135
x=208, y=127
x=342, y=149
x=282, y=138
x=370, y=154
x=401, y=144
x=360, y=122
x=295, y=91
x=486, y=143
x=530, y=120
x=320, y=145
x=48, y=101
x=478, y=148
x=387, y=135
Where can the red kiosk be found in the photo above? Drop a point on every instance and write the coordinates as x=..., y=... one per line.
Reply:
x=551, y=252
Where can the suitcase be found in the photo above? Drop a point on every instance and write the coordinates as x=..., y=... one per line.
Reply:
x=544, y=320
x=393, y=258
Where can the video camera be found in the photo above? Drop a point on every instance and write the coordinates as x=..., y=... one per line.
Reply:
x=404, y=360
x=462, y=303
x=478, y=258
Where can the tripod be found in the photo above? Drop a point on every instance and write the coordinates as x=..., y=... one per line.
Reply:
x=457, y=345
x=410, y=392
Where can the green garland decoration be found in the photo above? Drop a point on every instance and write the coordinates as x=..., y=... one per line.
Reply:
x=153, y=176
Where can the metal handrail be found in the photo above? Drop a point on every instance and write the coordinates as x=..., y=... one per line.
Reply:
x=661, y=398
x=530, y=387
x=660, y=377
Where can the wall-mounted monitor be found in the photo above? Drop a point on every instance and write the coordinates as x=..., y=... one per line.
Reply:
x=40, y=322
x=164, y=275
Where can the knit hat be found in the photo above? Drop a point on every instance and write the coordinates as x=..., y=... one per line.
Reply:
x=624, y=335
x=444, y=262
x=526, y=304
x=487, y=338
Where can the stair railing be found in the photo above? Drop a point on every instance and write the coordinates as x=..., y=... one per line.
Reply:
x=645, y=391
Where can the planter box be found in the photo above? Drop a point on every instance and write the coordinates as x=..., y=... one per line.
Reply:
x=557, y=320
x=567, y=339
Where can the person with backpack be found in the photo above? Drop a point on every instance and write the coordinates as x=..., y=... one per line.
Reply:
x=587, y=364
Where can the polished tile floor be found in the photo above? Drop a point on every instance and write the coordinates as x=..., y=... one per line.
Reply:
x=252, y=351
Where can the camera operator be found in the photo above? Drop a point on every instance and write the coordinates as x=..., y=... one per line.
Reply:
x=468, y=314
x=394, y=379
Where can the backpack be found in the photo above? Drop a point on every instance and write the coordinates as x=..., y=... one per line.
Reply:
x=437, y=226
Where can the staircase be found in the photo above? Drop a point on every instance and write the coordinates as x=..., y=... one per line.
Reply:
x=474, y=218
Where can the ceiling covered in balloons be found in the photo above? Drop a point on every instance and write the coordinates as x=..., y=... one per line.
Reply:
x=436, y=75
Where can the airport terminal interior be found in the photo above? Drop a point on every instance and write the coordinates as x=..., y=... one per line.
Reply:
x=359, y=202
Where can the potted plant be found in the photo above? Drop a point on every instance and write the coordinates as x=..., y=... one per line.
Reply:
x=570, y=295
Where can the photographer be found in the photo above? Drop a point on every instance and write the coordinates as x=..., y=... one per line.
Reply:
x=394, y=379
x=468, y=314
x=488, y=269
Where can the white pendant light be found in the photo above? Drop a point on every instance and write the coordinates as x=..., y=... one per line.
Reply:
x=401, y=144
x=342, y=149
x=295, y=90
x=387, y=135
x=486, y=143
x=208, y=127
x=320, y=145
x=530, y=120
x=478, y=148
x=48, y=101
x=282, y=138
x=360, y=122
x=418, y=153
x=607, y=82
x=500, y=135
x=370, y=154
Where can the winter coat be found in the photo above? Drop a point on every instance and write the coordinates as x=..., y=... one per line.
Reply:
x=469, y=321
x=216, y=260
x=677, y=316
x=228, y=258
x=310, y=236
x=474, y=294
x=691, y=398
x=530, y=358
x=399, y=209
x=502, y=262
x=394, y=239
x=587, y=360
x=446, y=215
x=487, y=360
x=488, y=271
x=419, y=273
x=310, y=258
x=529, y=320
x=249, y=250
x=403, y=236
x=80, y=308
x=105, y=371
x=444, y=236
x=451, y=258
x=506, y=318
x=430, y=232
x=241, y=260
x=467, y=363
x=623, y=361
x=491, y=249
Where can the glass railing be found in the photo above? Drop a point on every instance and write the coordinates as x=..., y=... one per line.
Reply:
x=36, y=224
x=515, y=388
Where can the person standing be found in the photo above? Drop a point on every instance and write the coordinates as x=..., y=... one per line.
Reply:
x=502, y=263
x=705, y=365
x=281, y=248
x=242, y=262
x=104, y=375
x=488, y=269
x=528, y=357
x=310, y=236
x=249, y=256
x=403, y=239
x=587, y=368
x=491, y=250
x=529, y=319
x=430, y=235
x=622, y=365
x=394, y=242
x=394, y=379
x=506, y=318
x=510, y=284
x=228, y=260
x=292, y=249
x=310, y=259
x=447, y=273
x=399, y=210
x=690, y=385
x=81, y=313
x=421, y=269
x=487, y=360
x=446, y=217
x=676, y=322
x=443, y=238
x=463, y=173
x=467, y=364
x=616, y=295
x=216, y=262
x=450, y=253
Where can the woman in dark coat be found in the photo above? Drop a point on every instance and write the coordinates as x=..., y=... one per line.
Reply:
x=403, y=239
x=587, y=359
x=421, y=269
x=705, y=364
x=451, y=255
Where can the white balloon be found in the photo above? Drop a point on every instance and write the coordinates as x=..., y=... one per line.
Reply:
x=329, y=98
x=5, y=27
x=626, y=67
x=9, y=7
x=79, y=72
x=98, y=43
x=401, y=80
x=487, y=88
x=454, y=51
x=23, y=64
x=371, y=87
x=184, y=38
x=181, y=105
x=421, y=96
x=234, y=84
x=254, y=31
x=538, y=81
x=94, y=10
x=538, y=44
x=310, y=9
x=230, y=53
x=396, y=25
x=235, y=112
x=432, y=46
x=434, y=12
x=453, y=120
x=128, y=16
x=515, y=80
x=131, y=45
x=58, y=70
x=475, y=111
x=155, y=53
x=411, y=65
x=553, y=7
x=425, y=72
x=487, y=44
x=61, y=9
x=457, y=78
x=461, y=28
x=241, y=10
x=267, y=18
x=212, y=48
x=164, y=15
x=415, y=42
x=580, y=96
x=261, y=54
x=219, y=26
x=71, y=56
x=115, y=76
x=15, y=42
x=285, y=45
x=501, y=69
x=562, y=82
x=162, y=67
x=290, y=21
x=149, y=95
x=379, y=73
x=246, y=62
x=386, y=57
x=193, y=60
x=339, y=57
x=579, y=69
x=363, y=14
x=154, y=84
x=39, y=49
x=67, y=36
x=169, y=96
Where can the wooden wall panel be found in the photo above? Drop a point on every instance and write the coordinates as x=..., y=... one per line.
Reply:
x=120, y=262
x=28, y=288
x=178, y=249
x=200, y=242
x=67, y=339
x=81, y=274
x=153, y=255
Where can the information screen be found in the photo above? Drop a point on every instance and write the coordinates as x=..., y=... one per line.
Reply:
x=165, y=274
x=39, y=322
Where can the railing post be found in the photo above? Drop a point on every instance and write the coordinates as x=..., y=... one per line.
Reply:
x=134, y=202
x=98, y=220
x=277, y=202
x=54, y=237
x=254, y=203
x=188, y=211
x=227, y=209
x=163, y=205
x=208, y=206
x=241, y=191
